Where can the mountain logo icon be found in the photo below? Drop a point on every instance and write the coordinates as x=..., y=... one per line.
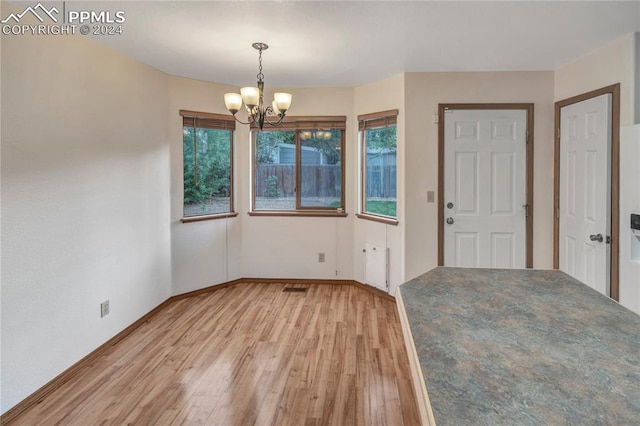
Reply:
x=38, y=11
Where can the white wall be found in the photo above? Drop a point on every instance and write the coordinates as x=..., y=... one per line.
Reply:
x=85, y=202
x=207, y=252
x=375, y=97
x=288, y=247
x=636, y=73
x=1, y=392
x=424, y=91
x=611, y=64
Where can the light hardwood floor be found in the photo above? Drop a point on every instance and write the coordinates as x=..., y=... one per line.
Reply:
x=248, y=354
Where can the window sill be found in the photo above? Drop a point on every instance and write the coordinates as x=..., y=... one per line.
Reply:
x=298, y=213
x=381, y=219
x=208, y=217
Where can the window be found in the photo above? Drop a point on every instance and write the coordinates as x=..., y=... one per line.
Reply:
x=298, y=167
x=378, y=157
x=208, y=165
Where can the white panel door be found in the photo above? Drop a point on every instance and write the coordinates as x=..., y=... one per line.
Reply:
x=485, y=188
x=585, y=198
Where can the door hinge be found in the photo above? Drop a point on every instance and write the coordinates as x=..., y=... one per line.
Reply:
x=527, y=137
x=526, y=210
x=558, y=213
x=608, y=239
x=558, y=133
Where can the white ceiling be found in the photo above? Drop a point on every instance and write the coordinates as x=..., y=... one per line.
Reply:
x=336, y=43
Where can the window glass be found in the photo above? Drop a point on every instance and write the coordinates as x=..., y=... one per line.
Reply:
x=298, y=167
x=321, y=168
x=207, y=171
x=380, y=171
x=275, y=180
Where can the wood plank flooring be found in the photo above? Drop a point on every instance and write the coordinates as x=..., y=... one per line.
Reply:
x=248, y=354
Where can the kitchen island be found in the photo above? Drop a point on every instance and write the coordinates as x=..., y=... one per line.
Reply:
x=519, y=347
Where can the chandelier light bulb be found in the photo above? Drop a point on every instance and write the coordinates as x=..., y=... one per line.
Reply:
x=233, y=102
x=282, y=101
x=250, y=96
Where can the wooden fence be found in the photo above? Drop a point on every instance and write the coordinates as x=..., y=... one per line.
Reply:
x=381, y=182
x=275, y=180
x=278, y=180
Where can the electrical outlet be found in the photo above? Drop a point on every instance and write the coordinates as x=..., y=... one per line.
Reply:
x=104, y=309
x=431, y=196
x=321, y=257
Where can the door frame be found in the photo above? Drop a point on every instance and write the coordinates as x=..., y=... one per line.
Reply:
x=528, y=107
x=614, y=90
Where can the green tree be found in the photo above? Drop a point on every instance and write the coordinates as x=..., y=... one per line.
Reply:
x=267, y=144
x=268, y=141
x=207, y=165
x=330, y=148
x=382, y=137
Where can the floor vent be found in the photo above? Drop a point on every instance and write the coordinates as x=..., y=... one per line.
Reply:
x=295, y=290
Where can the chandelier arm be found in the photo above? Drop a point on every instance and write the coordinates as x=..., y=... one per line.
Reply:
x=270, y=110
x=242, y=122
x=275, y=123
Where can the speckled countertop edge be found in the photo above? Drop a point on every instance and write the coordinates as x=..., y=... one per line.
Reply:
x=523, y=347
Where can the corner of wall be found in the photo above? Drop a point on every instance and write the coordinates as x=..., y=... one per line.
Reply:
x=636, y=73
x=203, y=253
x=380, y=96
x=613, y=63
x=85, y=202
x=2, y=408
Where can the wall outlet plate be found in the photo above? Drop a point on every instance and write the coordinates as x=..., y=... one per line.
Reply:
x=104, y=309
x=321, y=257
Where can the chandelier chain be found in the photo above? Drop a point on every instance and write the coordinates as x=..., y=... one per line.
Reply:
x=260, y=75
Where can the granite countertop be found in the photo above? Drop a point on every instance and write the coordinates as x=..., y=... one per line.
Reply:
x=523, y=347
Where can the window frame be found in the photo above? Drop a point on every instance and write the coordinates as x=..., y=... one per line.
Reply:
x=366, y=122
x=299, y=124
x=215, y=122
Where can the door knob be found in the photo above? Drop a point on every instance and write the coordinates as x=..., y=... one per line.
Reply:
x=449, y=221
x=598, y=237
x=449, y=205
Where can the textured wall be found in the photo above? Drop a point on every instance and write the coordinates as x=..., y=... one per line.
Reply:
x=85, y=202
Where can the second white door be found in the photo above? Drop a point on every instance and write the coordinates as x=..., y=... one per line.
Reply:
x=485, y=190
x=585, y=197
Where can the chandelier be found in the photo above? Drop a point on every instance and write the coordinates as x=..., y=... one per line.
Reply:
x=317, y=134
x=252, y=98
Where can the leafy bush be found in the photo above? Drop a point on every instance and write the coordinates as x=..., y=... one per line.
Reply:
x=271, y=190
x=207, y=164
